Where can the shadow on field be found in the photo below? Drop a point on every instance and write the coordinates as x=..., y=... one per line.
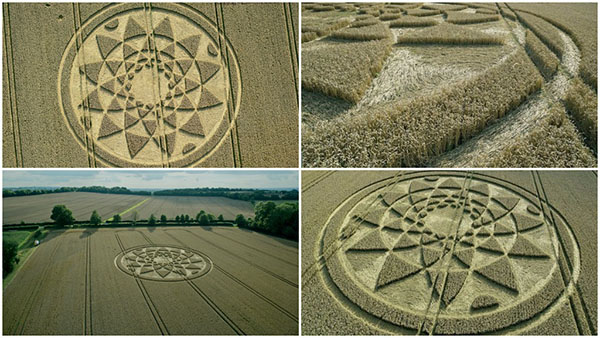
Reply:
x=88, y=232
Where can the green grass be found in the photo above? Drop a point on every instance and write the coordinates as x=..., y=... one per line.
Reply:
x=15, y=236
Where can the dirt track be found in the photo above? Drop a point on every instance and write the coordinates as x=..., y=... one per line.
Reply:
x=75, y=283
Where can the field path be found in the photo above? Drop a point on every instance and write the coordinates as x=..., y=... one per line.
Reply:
x=506, y=131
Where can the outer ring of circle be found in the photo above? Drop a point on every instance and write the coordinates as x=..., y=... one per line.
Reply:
x=221, y=130
x=330, y=231
x=209, y=263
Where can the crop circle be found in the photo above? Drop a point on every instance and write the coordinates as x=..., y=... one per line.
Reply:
x=142, y=88
x=163, y=263
x=471, y=255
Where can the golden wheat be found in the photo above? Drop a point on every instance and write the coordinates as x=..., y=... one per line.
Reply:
x=582, y=103
x=470, y=18
x=543, y=58
x=372, y=32
x=412, y=21
x=423, y=12
x=450, y=34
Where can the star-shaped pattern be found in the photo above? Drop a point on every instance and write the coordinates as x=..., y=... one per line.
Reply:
x=150, y=87
x=163, y=263
x=446, y=230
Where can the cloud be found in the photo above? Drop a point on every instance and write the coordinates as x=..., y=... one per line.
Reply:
x=153, y=179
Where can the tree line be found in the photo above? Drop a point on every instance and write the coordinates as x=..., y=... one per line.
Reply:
x=237, y=194
x=275, y=219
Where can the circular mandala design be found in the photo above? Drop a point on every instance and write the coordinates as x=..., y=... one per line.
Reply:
x=428, y=243
x=163, y=263
x=149, y=87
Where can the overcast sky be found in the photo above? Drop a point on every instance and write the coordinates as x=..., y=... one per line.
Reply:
x=151, y=179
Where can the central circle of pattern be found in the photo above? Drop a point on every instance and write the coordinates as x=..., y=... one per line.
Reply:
x=449, y=246
x=163, y=263
x=149, y=88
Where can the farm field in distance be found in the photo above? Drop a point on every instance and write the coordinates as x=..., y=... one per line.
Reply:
x=37, y=208
x=449, y=252
x=449, y=85
x=150, y=281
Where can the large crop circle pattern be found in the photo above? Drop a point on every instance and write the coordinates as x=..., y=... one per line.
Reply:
x=141, y=97
x=163, y=263
x=468, y=247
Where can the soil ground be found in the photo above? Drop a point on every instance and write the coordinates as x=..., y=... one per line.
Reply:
x=510, y=252
x=73, y=284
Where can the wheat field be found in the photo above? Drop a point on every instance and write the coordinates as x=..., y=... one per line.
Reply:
x=447, y=85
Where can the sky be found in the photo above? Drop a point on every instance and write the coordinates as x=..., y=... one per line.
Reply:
x=153, y=179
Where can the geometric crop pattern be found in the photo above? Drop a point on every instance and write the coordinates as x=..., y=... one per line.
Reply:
x=461, y=241
x=148, y=94
x=161, y=263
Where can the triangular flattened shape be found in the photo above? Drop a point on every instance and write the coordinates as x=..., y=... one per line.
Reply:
x=395, y=269
x=121, y=79
x=135, y=143
x=164, y=28
x=401, y=208
x=92, y=71
x=163, y=272
x=491, y=244
x=113, y=66
x=507, y=202
x=526, y=222
x=396, y=224
x=190, y=84
x=372, y=241
x=207, y=99
x=502, y=229
x=150, y=126
x=105, y=45
x=416, y=186
x=454, y=283
x=465, y=256
x=143, y=112
x=405, y=242
x=375, y=215
x=484, y=302
x=524, y=247
x=483, y=232
x=108, y=127
x=479, y=201
x=129, y=65
x=485, y=219
x=450, y=183
x=130, y=120
x=93, y=101
x=109, y=85
x=427, y=239
x=361, y=260
x=497, y=212
x=193, y=126
x=438, y=193
x=146, y=269
x=172, y=120
x=480, y=188
x=501, y=273
x=178, y=91
x=191, y=44
x=207, y=70
x=185, y=104
x=128, y=51
x=133, y=29
x=430, y=256
x=170, y=51
x=115, y=105
x=185, y=64
x=170, y=138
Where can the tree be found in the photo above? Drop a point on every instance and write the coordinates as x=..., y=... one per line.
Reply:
x=9, y=256
x=117, y=218
x=204, y=220
x=220, y=218
x=61, y=215
x=240, y=220
x=95, y=218
x=199, y=215
x=177, y=218
x=187, y=218
x=211, y=217
x=163, y=219
x=152, y=220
